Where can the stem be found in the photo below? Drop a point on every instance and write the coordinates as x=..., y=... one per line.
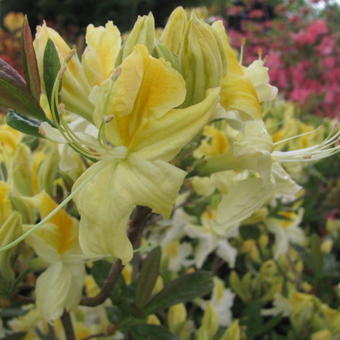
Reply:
x=107, y=287
x=68, y=327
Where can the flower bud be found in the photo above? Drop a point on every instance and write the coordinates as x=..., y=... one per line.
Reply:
x=171, y=36
x=203, y=60
x=177, y=315
x=210, y=323
x=75, y=86
x=143, y=32
x=19, y=172
x=47, y=172
x=234, y=332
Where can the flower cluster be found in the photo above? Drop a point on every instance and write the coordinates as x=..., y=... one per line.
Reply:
x=126, y=168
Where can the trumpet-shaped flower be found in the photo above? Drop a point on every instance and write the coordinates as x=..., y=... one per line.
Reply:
x=140, y=130
x=59, y=287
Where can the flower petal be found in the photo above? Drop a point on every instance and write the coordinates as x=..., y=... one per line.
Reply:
x=106, y=202
x=99, y=57
x=59, y=288
x=163, y=138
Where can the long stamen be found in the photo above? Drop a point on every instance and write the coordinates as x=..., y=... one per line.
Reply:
x=297, y=136
x=325, y=149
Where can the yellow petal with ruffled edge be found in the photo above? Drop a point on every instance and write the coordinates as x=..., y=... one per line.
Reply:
x=106, y=202
x=163, y=138
x=59, y=288
x=58, y=236
x=146, y=89
x=99, y=57
x=238, y=92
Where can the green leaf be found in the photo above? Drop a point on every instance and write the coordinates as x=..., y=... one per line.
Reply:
x=30, y=61
x=150, y=332
x=113, y=314
x=148, y=277
x=316, y=254
x=252, y=318
x=183, y=289
x=100, y=271
x=51, y=67
x=22, y=123
x=251, y=232
x=14, y=336
x=15, y=95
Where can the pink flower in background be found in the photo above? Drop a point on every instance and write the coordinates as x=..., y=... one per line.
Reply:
x=328, y=62
x=256, y=13
x=300, y=95
x=318, y=27
x=327, y=46
x=311, y=34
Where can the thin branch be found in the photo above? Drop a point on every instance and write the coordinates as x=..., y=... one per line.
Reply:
x=107, y=287
x=68, y=327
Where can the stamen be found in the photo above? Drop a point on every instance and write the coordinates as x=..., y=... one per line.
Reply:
x=297, y=136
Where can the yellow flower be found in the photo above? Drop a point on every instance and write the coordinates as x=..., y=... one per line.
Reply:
x=60, y=286
x=145, y=124
x=14, y=21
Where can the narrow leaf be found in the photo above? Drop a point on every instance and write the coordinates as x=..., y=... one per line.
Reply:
x=51, y=67
x=183, y=289
x=30, y=61
x=148, y=277
x=150, y=332
x=29, y=126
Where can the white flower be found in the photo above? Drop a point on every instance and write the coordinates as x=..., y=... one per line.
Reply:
x=286, y=230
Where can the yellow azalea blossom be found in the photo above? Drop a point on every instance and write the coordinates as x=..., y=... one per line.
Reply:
x=149, y=129
x=140, y=125
x=56, y=242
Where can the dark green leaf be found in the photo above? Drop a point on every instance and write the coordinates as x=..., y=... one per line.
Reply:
x=30, y=61
x=14, y=336
x=51, y=67
x=267, y=326
x=252, y=318
x=251, y=232
x=183, y=289
x=150, y=332
x=147, y=278
x=15, y=95
x=24, y=124
x=100, y=271
x=114, y=314
x=316, y=254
